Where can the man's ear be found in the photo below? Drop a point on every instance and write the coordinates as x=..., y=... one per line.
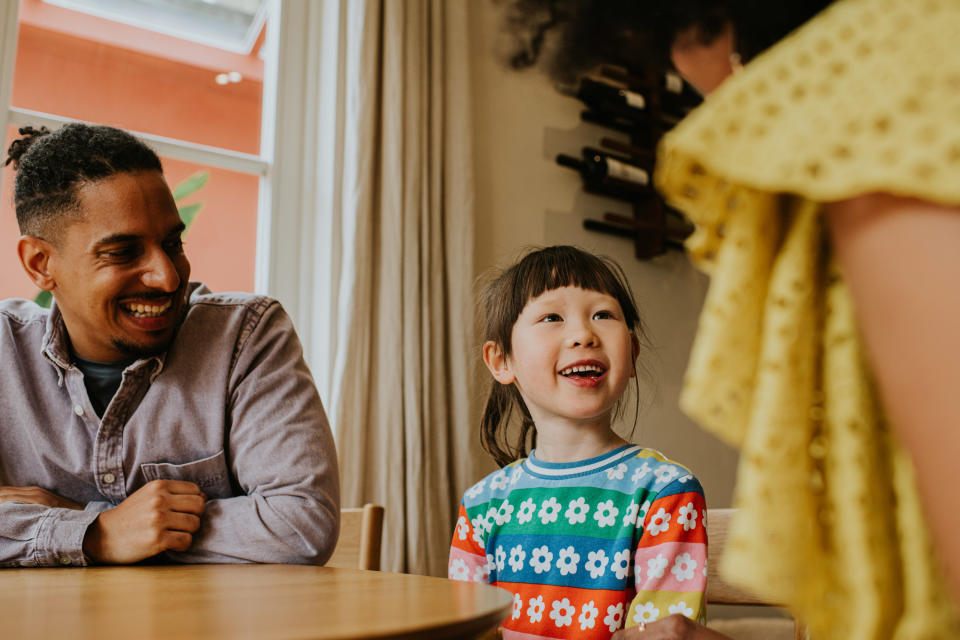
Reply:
x=35, y=255
x=497, y=363
x=635, y=349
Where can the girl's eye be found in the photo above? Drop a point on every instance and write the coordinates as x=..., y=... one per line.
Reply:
x=604, y=315
x=551, y=317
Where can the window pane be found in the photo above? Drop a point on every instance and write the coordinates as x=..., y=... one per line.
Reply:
x=88, y=68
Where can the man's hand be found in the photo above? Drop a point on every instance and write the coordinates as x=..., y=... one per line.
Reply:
x=160, y=516
x=36, y=495
x=675, y=627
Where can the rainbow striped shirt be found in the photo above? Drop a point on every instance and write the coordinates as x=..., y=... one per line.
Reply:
x=561, y=538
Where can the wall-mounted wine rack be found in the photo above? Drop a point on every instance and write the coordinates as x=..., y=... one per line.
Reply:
x=642, y=108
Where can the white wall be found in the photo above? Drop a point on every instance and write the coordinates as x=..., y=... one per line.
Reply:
x=525, y=199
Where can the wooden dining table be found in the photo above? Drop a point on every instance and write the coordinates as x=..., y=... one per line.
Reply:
x=242, y=601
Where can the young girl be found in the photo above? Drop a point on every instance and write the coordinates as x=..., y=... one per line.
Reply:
x=589, y=532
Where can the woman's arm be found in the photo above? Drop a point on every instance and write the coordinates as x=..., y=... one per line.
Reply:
x=901, y=259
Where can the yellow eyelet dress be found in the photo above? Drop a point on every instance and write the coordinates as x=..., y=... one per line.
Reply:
x=863, y=98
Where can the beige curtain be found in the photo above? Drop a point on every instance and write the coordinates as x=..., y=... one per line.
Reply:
x=399, y=390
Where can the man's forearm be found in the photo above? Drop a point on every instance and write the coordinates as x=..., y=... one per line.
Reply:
x=34, y=535
x=291, y=529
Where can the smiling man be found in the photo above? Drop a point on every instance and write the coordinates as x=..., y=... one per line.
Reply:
x=142, y=414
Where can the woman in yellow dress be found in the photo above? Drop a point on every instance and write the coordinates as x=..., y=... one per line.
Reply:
x=823, y=175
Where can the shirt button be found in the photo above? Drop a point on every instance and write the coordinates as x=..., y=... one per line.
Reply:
x=65, y=560
x=77, y=409
x=109, y=478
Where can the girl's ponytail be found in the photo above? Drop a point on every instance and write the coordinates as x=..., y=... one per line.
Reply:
x=496, y=421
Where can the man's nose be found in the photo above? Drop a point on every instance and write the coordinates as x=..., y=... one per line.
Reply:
x=160, y=272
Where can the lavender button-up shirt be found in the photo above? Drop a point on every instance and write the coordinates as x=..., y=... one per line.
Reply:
x=230, y=406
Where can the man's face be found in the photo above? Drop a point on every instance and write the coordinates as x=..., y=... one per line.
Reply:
x=119, y=272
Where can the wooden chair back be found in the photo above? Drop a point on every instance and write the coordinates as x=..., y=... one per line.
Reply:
x=361, y=532
x=719, y=591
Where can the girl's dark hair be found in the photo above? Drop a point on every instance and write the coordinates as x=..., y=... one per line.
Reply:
x=501, y=303
x=638, y=33
x=51, y=166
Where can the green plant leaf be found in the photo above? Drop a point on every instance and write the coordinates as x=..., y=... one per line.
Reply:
x=188, y=213
x=44, y=298
x=191, y=185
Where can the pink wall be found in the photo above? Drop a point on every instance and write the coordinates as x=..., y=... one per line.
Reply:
x=92, y=69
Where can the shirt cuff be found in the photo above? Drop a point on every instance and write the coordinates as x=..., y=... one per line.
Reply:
x=60, y=537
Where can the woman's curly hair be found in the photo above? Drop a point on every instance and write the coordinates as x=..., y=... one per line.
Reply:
x=637, y=34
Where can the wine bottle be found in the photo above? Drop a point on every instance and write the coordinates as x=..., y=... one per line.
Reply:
x=676, y=96
x=603, y=174
x=620, y=167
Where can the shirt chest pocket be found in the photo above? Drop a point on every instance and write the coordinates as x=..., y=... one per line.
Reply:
x=210, y=474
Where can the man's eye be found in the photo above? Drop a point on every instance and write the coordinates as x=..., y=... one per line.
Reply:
x=174, y=246
x=126, y=253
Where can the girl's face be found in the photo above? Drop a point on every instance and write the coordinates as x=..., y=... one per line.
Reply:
x=573, y=356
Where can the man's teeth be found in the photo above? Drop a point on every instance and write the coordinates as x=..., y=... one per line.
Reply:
x=148, y=310
x=582, y=369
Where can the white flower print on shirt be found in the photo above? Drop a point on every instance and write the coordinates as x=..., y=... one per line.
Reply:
x=459, y=570
x=535, y=610
x=621, y=564
x=501, y=559
x=656, y=566
x=646, y=613
x=517, y=556
x=499, y=480
x=549, y=510
x=681, y=607
x=666, y=473
x=463, y=527
x=504, y=513
x=568, y=560
x=588, y=616
x=577, y=511
x=640, y=473
x=614, y=616
x=683, y=567
x=541, y=558
x=479, y=526
x=482, y=571
x=517, y=606
x=687, y=517
x=491, y=518
x=527, y=508
x=515, y=476
x=685, y=479
x=606, y=514
x=562, y=612
x=659, y=523
x=630, y=519
x=597, y=563
x=476, y=489
x=617, y=472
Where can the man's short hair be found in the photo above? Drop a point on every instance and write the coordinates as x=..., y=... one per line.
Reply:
x=51, y=166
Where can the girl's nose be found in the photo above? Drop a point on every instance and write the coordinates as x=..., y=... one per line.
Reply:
x=582, y=335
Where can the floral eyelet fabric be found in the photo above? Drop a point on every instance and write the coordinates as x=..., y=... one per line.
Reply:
x=589, y=547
